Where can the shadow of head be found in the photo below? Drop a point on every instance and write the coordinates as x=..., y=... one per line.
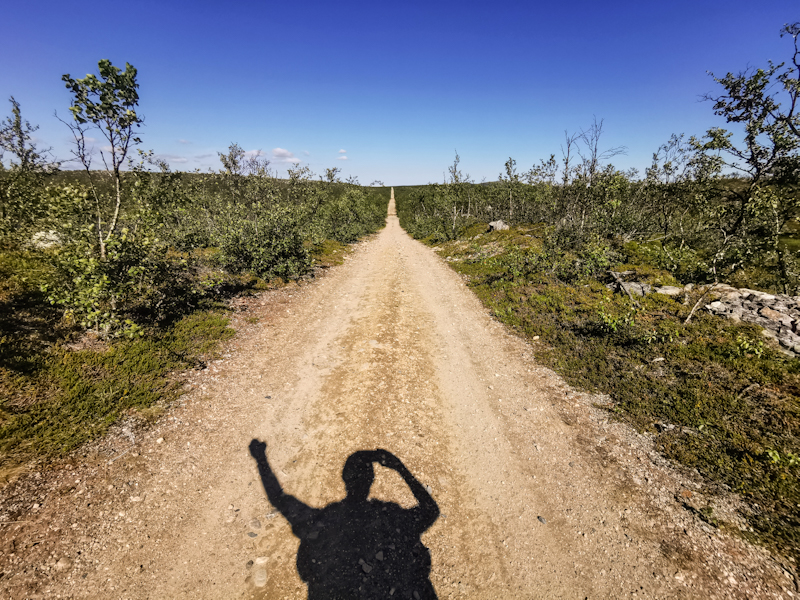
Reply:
x=358, y=475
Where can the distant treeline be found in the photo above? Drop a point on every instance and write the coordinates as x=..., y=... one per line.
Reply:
x=683, y=216
x=708, y=208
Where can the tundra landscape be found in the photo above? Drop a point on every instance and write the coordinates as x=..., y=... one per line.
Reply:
x=570, y=381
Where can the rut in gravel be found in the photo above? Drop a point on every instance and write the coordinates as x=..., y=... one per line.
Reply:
x=538, y=495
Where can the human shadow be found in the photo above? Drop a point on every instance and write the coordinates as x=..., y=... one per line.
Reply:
x=358, y=547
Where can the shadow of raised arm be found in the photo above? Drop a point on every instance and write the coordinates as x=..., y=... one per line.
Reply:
x=290, y=507
x=427, y=511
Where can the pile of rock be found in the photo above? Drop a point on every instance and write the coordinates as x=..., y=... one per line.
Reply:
x=778, y=314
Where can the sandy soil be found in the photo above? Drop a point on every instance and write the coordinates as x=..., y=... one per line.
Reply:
x=539, y=494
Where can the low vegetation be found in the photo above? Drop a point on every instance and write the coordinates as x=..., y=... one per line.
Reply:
x=113, y=281
x=716, y=395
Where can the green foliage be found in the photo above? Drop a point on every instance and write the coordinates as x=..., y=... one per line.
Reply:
x=21, y=183
x=16, y=137
x=96, y=292
x=110, y=99
x=106, y=103
x=268, y=242
x=747, y=221
x=351, y=213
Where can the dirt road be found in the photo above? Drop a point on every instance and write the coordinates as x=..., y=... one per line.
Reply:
x=539, y=495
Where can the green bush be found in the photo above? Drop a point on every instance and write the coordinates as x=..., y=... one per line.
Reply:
x=268, y=242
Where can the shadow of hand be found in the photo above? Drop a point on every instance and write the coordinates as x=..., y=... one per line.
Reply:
x=258, y=449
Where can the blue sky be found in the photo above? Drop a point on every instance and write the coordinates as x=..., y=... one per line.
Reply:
x=398, y=86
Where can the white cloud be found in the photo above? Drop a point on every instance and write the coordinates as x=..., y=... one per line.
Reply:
x=173, y=158
x=342, y=151
x=282, y=155
x=306, y=152
x=342, y=158
x=182, y=141
x=254, y=153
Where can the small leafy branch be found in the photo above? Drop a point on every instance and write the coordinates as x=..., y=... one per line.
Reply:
x=611, y=322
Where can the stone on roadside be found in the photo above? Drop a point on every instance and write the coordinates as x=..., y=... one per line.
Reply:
x=498, y=225
x=63, y=564
x=670, y=290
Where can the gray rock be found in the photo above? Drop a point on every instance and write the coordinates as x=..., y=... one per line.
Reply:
x=775, y=315
x=769, y=334
x=498, y=225
x=542, y=519
x=761, y=321
x=43, y=240
x=669, y=290
x=731, y=296
x=756, y=295
x=778, y=315
x=788, y=339
x=255, y=524
x=636, y=288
